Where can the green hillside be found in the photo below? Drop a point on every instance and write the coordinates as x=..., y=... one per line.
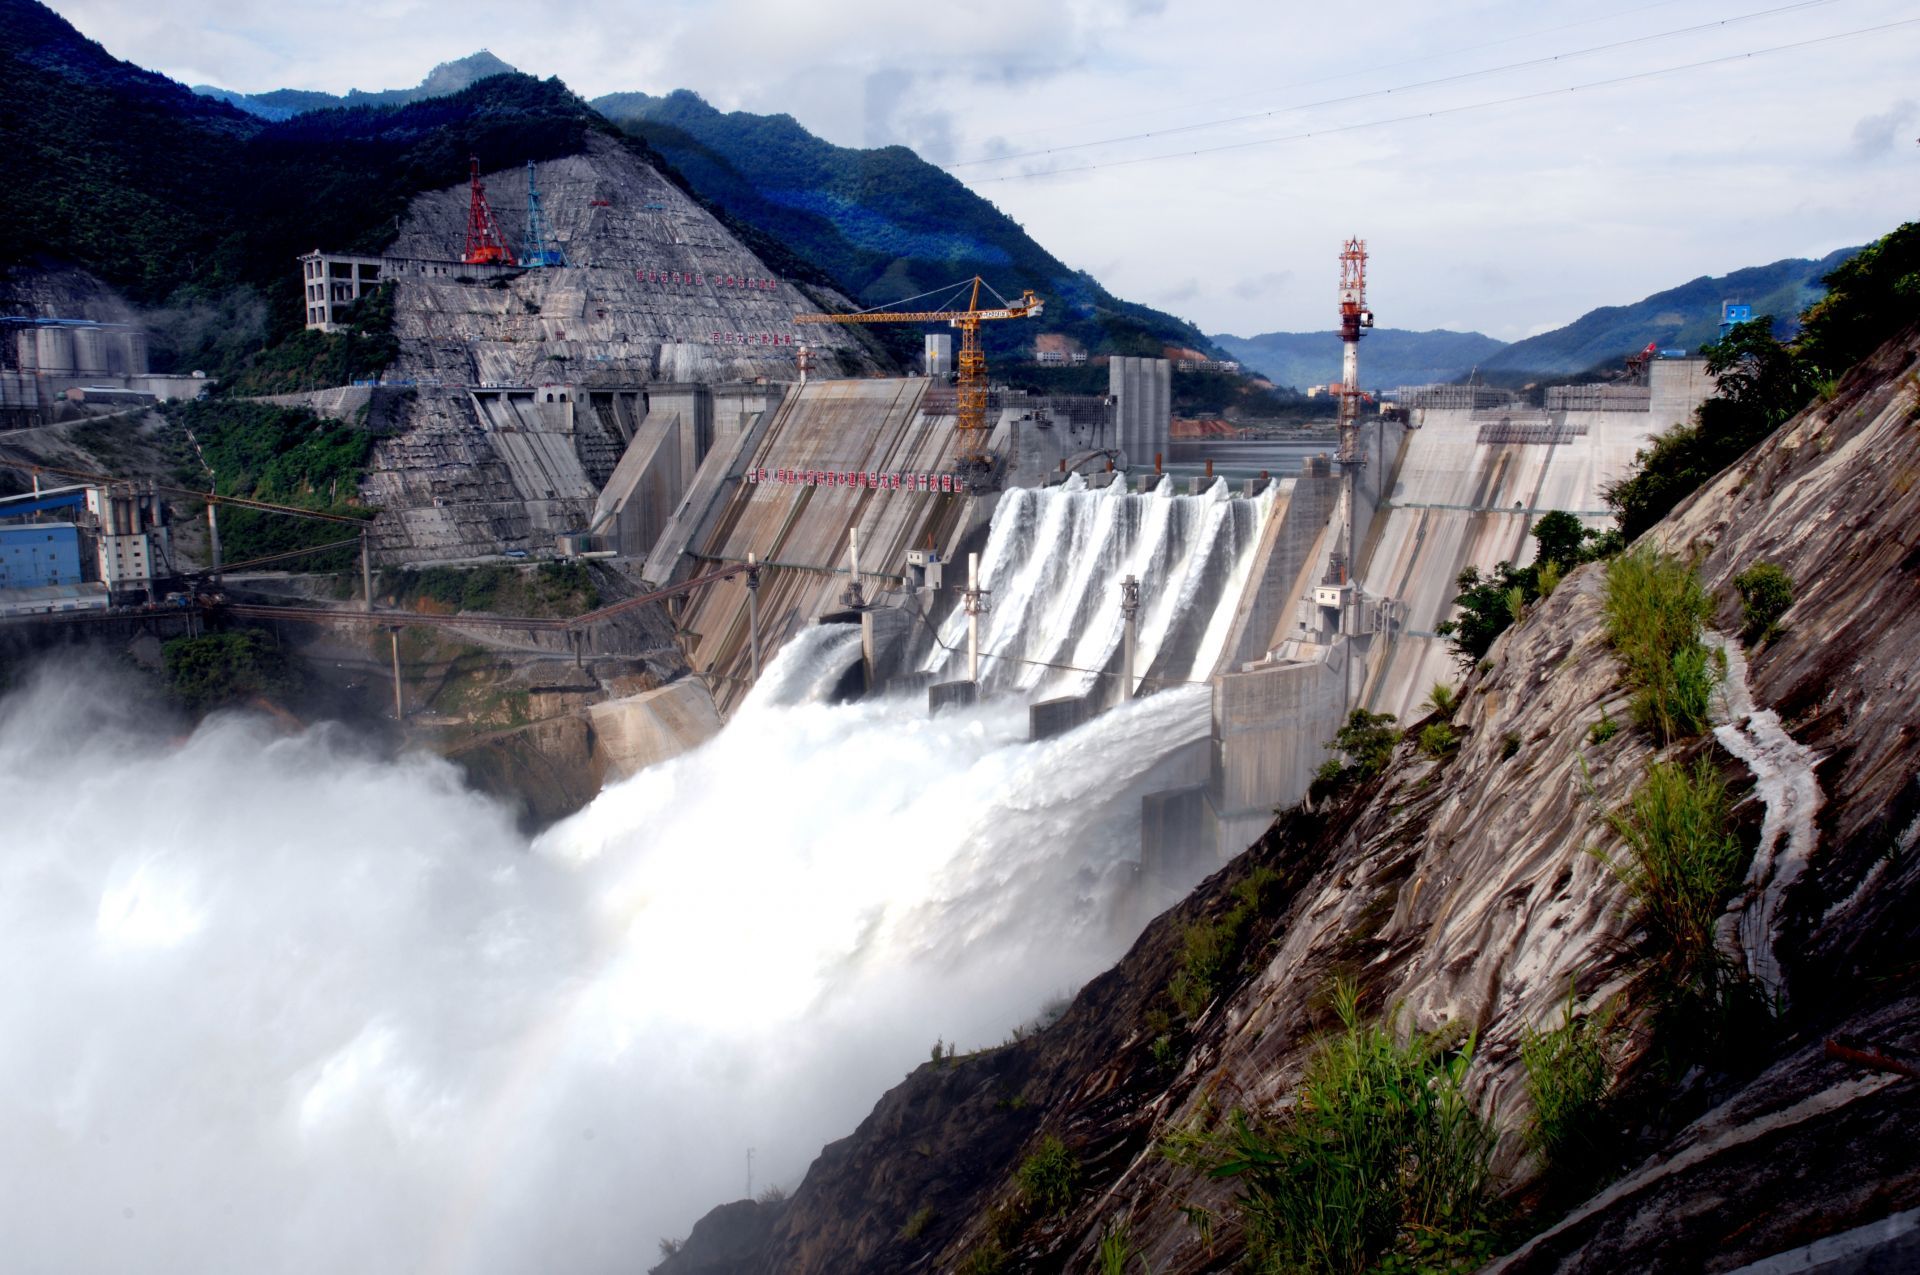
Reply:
x=1685, y=317
x=885, y=223
x=1388, y=356
x=185, y=203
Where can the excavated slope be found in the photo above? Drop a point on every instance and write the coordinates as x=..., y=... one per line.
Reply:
x=1463, y=891
x=655, y=291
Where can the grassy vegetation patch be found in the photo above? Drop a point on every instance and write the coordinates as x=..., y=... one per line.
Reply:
x=1683, y=862
x=1656, y=611
x=546, y=590
x=1569, y=1072
x=219, y=669
x=1212, y=951
x=1381, y=1164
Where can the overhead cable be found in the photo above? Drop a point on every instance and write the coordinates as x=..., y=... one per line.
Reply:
x=1437, y=112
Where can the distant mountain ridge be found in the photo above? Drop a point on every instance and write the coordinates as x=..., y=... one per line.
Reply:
x=283, y=104
x=1388, y=356
x=1685, y=317
x=884, y=222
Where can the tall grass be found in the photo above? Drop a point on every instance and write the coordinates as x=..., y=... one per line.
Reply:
x=1569, y=1070
x=1684, y=862
x=1655, y=612
x=1049, y=1177
x=1211, y=951
x=1381, y=1154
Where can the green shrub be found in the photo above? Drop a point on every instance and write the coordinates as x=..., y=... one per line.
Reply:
x=1049, y=1177
x=1366, y=741
x=1603, y=730
x=1442, y=700
x=1212, y=950
x=916, y=1226
x=1569, y=1070
x=1437, y=739
x=1380, y=1155
x=1509, y=746
x=1655, y=612
x=1766, y=591
x=218, y=669
x=1488, y=605
x=1683, y=863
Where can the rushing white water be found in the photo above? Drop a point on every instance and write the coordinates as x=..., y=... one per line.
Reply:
x=1053, y=564
x=268, y=1002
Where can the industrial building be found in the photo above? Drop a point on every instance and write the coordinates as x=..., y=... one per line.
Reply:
x=85, y=547
x=334, y=281
x=49, y=363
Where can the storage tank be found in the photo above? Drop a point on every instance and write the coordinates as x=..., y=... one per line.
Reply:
x=136, y=353
x=26, y=350
x=55, y=348
x=90, y=351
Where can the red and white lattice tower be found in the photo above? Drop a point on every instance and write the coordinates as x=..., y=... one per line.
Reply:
x=1355, y=319
x=486, y=246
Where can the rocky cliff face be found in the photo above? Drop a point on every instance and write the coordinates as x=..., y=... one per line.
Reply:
x=1462, y=891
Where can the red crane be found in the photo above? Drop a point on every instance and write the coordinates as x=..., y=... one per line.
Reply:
x=486, y=246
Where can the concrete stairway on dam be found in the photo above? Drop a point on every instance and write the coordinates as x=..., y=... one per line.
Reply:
x=801, y=532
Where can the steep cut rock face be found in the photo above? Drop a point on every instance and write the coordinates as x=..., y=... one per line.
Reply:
x=1815, y=1144
x=1463, y=891
x=502, y=446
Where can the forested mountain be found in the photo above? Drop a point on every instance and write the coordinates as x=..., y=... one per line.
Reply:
x=884, y=223
x=1685, y=317
x=184, y=202
x=1388, y=356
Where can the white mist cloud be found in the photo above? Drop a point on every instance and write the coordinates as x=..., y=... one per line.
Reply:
x=270, y=1003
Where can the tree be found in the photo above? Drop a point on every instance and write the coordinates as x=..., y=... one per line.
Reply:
x=1562, y=539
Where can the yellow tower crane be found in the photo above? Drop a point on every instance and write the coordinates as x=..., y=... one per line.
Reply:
x=971, y=387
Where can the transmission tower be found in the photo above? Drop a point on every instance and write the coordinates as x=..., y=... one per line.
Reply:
x=486, y=246
x=542, y=250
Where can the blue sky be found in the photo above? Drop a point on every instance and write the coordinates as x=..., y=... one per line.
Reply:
x=1508, y=216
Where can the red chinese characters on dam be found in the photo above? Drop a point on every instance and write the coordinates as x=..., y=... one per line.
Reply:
x=868, y=480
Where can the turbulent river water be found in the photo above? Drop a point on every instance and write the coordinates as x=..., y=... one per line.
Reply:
x=270, y=1001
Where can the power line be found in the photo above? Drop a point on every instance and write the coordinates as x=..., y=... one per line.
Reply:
x=1451, y=110
x=1456, y=78
x=1344, y=75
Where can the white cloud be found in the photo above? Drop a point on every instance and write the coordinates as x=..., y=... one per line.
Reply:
x=1505, y=217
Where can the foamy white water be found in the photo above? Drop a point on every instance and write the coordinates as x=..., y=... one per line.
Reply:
x=1053, y=564
x=270, y=1003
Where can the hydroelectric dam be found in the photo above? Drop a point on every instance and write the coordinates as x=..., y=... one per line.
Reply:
x=1286, y=600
